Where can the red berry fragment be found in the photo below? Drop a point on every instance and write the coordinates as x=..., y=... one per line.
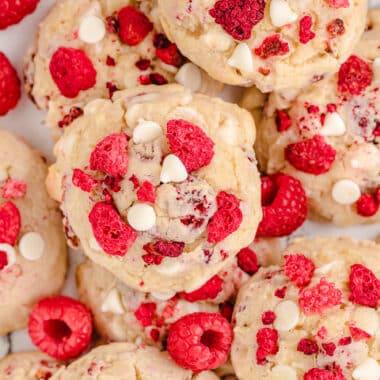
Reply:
x=3, y=260
x=134, y=25
x=73, y=114
x=72, y=71
x=200, y=341
x=268, y=317
x=10, y=223
x=329, y=348
x=110, y=231
x=208, y=291
x=13, y=11
x=145, y=313
x=319, y=374
x=306, y=34
x=299, y=269
x=146, y=193
x=14, y=188
x=355, y=75
x=367, y=205
x=247, y=261
x=281, y=292
x=143, y=64
x=313, y=156
x=238, y=17
x=339, y=3
x=308, y=346
x=358, y=334
x=157, y=251
x=61, y=327
x=168, y=52
x=272, y=46
x=336, y=28
x=364, y=286
x=83, y=180
x=284, y=206
x=283, y=121
x=110, y=155
x=267, y=344
x=227, y=218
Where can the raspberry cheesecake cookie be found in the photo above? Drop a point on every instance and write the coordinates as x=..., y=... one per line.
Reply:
x=274, y=45
x=99, y=47
x=314, y=317
x=159, y=185
x=328, y=137
x=32, y=243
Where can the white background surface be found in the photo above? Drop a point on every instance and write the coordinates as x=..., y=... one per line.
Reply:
x=27, y=121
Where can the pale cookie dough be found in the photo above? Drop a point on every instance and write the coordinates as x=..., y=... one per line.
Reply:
x=87, y=25
x=257, y=42
x=184, y=206
x=329, y=322
x=349, y=125
x=126, y=361
x=32, y=243
x=28, y=366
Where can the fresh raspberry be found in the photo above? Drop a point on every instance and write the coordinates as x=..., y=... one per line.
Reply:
x=13, y=11
x=355, y=75
x=83, y=180
x=61, y=327
x=200, y=341
x=271, y=47
x=299, y=269
x=208, y=291
x=339, y=3
x=367, y=205
x=3, y=260
x=145, y=313
x=281, y=292
x=170, y=55
x=306, y=34
x=134, y=26
x=72, y=71
x=227, y=218
x=284, y=205
x=10, y=223
x=319, y=298
x=364, y=286
x=313, y=156
x=156, y=252
x=329, y=348
x=308, y=346
x=143, y=64
x=112, y=234
x=10, y=92
x=267, y=344
x=336, y=28
x=110, y=155
x=318, y=374
x=283, y=120
x=73, y=114
x=247, y=261
x=268, y=317
x=146, y=193
x=187, y=141
x=14, y=188
x=238, y=17
x=358, y=334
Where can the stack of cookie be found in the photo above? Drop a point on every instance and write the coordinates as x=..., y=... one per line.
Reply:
x=156, y=180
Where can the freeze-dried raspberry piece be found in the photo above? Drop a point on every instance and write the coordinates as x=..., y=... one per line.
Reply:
x=367, y=205
x=187, y=141
x=10, y=223
x=313, y=156
x=358, y=334
x=112, y=234
x=268, y=317
x=238, y=17
x=83, y=180
x=13, y=11
x=226, y=309
x=200, y=341
x=72, y=71
x=281, y=292
x=267, y=344
x=272, y=46
x=345, y=341
x=3, y=260
x=9, y=86
x=247, y=261
x=73, y=114
x=284, y=205
x=227, y=218
x=61, y=327
x=364, y=286
x=339, y=3
x=14, y=188
x=329, y=348
x=320, y=297
x=156, y=252
x=134, y=25
x=169, y=54
x=318, y=374
x=299, y=269
x=305, y=33
x=145, y=313
x=143, y=64
x=208, y=291
x=110, y=155
x=146, y=193
x=355, y=75
x=336, y=28
x=308, y=346
x=283, y=120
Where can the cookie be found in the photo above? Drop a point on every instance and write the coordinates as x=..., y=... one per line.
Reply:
x=99, y=47
x=160, y=185
x=32, y=243
x=328, y=137
x=314, y=317
x=275, y=45
x=28, y=366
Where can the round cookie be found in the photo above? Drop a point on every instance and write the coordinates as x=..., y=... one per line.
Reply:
x=32, y=243
x=159, y=185
x=275, y=45
x=314, y=317
x=28, y=366
x=99, y=47
x=328, y=137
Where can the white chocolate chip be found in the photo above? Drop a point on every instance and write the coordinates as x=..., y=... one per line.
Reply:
x=241, y=58
x=366, y=319
x=190, y=77
x=368, y=370
x=4, y=346
x=283, y=372
x=146, y=131
x=112, y=303
x=92, y=30
x=11, y=254
x=334, y=125
x=281, y=13
x=287, y=316
x=32, y=246
x=163, y=296
x=173, y=170
x=346, y=192
x=141, y=217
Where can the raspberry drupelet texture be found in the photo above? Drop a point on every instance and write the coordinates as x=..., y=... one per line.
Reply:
x=318, y=374
x=267, y=344
x=271, y=47
x=13, y=11
x=306, y=34
x=14, y=189
x=83, y=180
x=208, y=291
x=299, y=269
x=247, y=261
x=10, y=223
